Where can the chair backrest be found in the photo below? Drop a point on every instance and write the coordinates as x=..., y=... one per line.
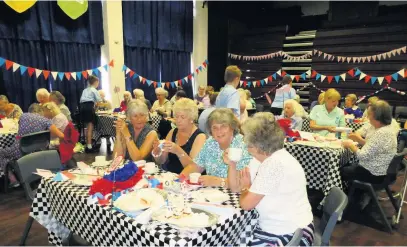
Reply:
x=402, y=140
x=34, y=142
x=393, y=168
x=31, y=162
x=259, y=107
x=335, y=203
x=400, y=112
x=295, y=241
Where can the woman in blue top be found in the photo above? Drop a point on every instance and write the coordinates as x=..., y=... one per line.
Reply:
x=224, y=128
x=350, y=106
x=89, y=99
x=284, y=93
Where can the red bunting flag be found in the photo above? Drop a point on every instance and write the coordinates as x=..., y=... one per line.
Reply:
x=283, y=73
x=197, y=71
x=68, y=75
x=330, y=77
x=405, y=73
x=111, y=64
x=155, y=84
x=244, y=83
x=297, y=78
x=189, y=77
x=180, y=82
x=314, y=73
x=131, y=73
x=46, y=74
x=167, y=84
x=258, y=83
x=85, y=74
x=388, y=78
x=30, y=71
x=204, y=64
x=270, y=78
x=367, y=78
x=9, y=64
x=143, y=80
x=351, y=72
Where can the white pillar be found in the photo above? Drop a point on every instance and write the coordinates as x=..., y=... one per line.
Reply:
x=113, y=49
x=200, y=39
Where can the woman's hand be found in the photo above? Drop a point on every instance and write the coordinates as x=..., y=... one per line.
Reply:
x=355, y=137
x=119, y=124
x=124, y=129
x=227, y=160
x=156, y=149
x=171, y=147
x=331, y=129
x=211, y=181
x=245, y=178
x=347, y=143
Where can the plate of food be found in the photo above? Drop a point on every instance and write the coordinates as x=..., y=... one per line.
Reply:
x=210, y=195
x=141, y=199
x=185, y=217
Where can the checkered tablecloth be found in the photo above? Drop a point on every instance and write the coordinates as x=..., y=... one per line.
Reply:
x=155, y=121
x=306, y=123
x=321, y=165
x=7, y=139
x=62, y=207
x=105, y=127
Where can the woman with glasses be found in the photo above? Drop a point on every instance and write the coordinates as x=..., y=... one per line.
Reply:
x=134, y=139
x=224, y=128
x=162, y=106
x=183, y=142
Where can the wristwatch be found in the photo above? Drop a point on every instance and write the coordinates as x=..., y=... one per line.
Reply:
x=128, y=139
x=223, y=183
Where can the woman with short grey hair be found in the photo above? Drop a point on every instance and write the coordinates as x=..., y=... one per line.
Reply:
x=224, y=129
x=42, y=96
x=134, y=138
x=162, y=105
x=293, y=111
x=139, y=94
x=268, y=186
x=59, y=100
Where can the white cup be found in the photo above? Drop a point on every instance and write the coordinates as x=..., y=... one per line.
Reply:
x=235, y=154
x=100, y=159
x=150, y=167
x=141, y=163
x=194, y=177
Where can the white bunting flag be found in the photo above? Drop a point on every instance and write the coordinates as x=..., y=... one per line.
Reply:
x=176, y=83
x=380, y=80
x=38, y=72
x=329, y=57
x=73, y=74
x=241, y=83
x=343, y=59
x=333, y=57
x=359, y=58
x=162, y=84
x=369, y=58
x=393, y=52
x=399, y=51
x=127, y=71
x=101, y=69
x=362, y=75
x=254, y=83
x=401, y=73
x=403, y=49
x=339, y=59
x=384, y=55
x=319, y=53
x=140, y=78
x=323, y=78
x=15, y=66
x=348, y=59
x=315, y=52
x=292, y=77
x=363, y=59
x=89, y=72
x=354, y=59
x=308, y=72
x=266, y=80
x=325, y=55
x=279, y=72
x=343, y=76
x=374, y=58
x=54, y=74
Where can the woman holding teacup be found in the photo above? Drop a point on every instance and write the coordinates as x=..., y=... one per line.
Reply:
x=224, y=144
x=183, y=142
x=282, y=204
x=134, y=140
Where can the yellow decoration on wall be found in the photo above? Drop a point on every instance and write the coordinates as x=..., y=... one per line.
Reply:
x=73, y=9
x=19, y=5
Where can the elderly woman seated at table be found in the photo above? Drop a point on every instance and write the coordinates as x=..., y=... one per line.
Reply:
x=9, y=110
x=29, y=123
x=134, y=140
x=325, y=118
x=185, y=140
x=293, y=111
x=139, y=94
x=162, y=106
x=370, y=101
x=42, y=96
x=59, y=100
x=224, y=129
x=378, y=149
x=350, y=106
x=52, y=111
x=201, y=94
x=127, y=97
x=275, y=187
x=243, y=111
x=104, y=104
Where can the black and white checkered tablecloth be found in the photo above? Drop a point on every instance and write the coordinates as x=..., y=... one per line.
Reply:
x=62, y=207
x=155, y=121
x=306, y=123
x=321, y=165
x=7, y=139
x=105, y=127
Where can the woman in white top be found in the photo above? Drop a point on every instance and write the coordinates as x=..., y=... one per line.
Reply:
x=162, y=105
x=276, y=188
x=52, y=112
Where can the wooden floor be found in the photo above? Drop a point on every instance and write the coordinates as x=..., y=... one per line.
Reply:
x=358, y=228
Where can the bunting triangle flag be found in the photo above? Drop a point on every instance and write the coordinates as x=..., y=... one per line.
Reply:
x=2, y=61
x=363, y=59
x=262, y=82
x=15, y=67
x=367, y=78
x=362, y=75
x=89, y=71
x=54, y=74
x=292, y=77
x=303, y=76
x=369, y=58
x=73, y=75
x=404, y=49
x=155, y=84
x=388, y=78
x=339, y=59
x=45, y=73
x=401, y=72
x=393, y=52
x=167, y=84
x=274, y=76
x=149, y=82
x=380, y=80
x=38, y=72
x=348, y=59
x=85, y=74
x=254, y=83
x=124, y=68
x=105, y=67
x=241, y=83
x=283, y=73
x=314, y=73
x=399, y=51
x=374, y=58
x=95, y=71
x=266, y=80
x=351, y=72
x=279, y=72
x=175, y=82
x=158, y=84
x=318, y=76
x=343, y=76
x=111, y=64
x=395, y=76
x=200, y=68
x=9, y=64
x=128, y=71
x=384, y=55
x=141, y=78
x=79, y=75
x=379, y=57
x=131, y=73
x=357, y=72
x=249, y=83
x=30, y=71
x=297, y=78
x=330, y=77
x=354, y=59
x=323, y=77
x=61, y=75
x=22, y=69
x=315, y=51
x=308, y=72
x=373, y=79
x=336, y=78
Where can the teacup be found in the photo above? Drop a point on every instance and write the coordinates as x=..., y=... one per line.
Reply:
x=194, y=177
x=150, y=167
x=235, y=154
x=141, y=163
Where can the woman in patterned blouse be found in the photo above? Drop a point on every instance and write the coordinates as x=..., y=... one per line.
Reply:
x=9, y=110
x=224, y=129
